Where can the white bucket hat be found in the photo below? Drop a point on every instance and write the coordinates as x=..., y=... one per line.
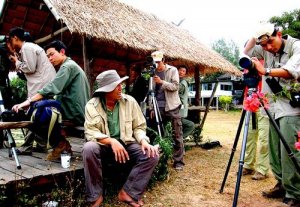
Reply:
x=108, y=81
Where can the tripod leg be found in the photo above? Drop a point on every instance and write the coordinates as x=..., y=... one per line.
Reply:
x=286, y=146
x=242, y=157
x=233, y=149
x=157, y=114
x=12, y=146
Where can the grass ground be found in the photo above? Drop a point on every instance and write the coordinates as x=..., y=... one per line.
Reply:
x=200, y=181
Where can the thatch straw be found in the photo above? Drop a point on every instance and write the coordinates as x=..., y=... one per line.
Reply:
x=118, y=23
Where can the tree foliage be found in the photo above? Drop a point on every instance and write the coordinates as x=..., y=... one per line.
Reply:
x=228, y=49
x=289, y=21
x=18, y=89
x=225, y=101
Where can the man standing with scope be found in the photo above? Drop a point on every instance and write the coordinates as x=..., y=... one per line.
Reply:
x=166, y=85
x=281, y=55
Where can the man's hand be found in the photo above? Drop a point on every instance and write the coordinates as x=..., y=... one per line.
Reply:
x=17, y=107
x=157, y=79
x=13, y=58
x=258, y=66
x=121, y=154
x=152, y=151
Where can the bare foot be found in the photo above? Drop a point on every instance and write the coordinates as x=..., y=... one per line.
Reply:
x=98, y=202
x=141, y=202
x=124, y=197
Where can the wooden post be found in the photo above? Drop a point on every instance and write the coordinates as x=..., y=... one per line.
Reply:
x=86, y=62
x=197, y=84
x=208, y=104
x=127, y=65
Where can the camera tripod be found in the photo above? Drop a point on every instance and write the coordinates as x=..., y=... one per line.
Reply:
x=152, y=102
x=7, y=133
x=246, y=116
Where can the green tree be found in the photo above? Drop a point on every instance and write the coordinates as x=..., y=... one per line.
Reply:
x=225, y=101
x=289, y=21
x=18, y=89
x=228, y=49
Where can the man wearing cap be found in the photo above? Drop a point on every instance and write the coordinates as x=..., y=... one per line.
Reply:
x=166, y=86
x=116, y=132
x=281, y=55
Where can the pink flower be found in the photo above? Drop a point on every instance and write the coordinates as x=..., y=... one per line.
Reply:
x=297, y=145
x=252, y=103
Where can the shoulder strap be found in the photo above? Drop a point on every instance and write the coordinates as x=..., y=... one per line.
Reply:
x=55, y=116
x=290, y=53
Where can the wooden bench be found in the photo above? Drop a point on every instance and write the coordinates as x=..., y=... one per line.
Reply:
x=68, y=126
x=15, y=125
x=73, y=130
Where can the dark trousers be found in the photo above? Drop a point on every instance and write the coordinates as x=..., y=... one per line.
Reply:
x=95, y=155
x=174, y=117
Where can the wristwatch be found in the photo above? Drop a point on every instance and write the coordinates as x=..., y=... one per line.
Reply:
x=29, y=99
x=267, y=71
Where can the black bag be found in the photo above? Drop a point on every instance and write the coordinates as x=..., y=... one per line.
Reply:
x=11, y=116
x=210, y=145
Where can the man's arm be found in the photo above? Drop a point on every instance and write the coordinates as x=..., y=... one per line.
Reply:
x=274, y=72
x=28, y=65
x=174, y=84
x=58, y=84
x=27, y=102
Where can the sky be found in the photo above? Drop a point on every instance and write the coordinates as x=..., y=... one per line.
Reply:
x=211, y=20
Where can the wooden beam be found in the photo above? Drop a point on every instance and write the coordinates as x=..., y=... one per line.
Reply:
x=15, y=125
x=86, y=61
x=44, y=23
x=44, y=39
x=197, y=83
x=53, y=10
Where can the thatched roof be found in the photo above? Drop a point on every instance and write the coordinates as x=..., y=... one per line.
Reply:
x=128, y=28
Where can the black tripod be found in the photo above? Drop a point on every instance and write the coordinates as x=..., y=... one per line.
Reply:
x=10, y=139
x=152, y=103
x=246, y=116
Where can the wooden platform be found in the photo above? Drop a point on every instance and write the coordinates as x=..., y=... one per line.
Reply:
x=35, y=169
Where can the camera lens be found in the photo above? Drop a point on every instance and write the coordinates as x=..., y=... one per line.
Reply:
x=246, y=62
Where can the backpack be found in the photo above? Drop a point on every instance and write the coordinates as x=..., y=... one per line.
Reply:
x=46, y=118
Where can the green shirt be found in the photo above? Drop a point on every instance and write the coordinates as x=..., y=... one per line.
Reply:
x=112, y=120
x=71, y=88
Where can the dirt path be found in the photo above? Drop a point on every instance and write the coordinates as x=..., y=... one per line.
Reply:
x=200, y=181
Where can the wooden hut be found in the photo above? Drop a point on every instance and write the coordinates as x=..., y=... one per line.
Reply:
x=108, y=34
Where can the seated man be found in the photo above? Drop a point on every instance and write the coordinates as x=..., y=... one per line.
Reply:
x=70, y=87
x=116, y=132
x=187, y=125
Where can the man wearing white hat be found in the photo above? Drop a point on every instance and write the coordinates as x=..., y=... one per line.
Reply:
x=281, y=55
x=116, y=132
x=166, y=85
